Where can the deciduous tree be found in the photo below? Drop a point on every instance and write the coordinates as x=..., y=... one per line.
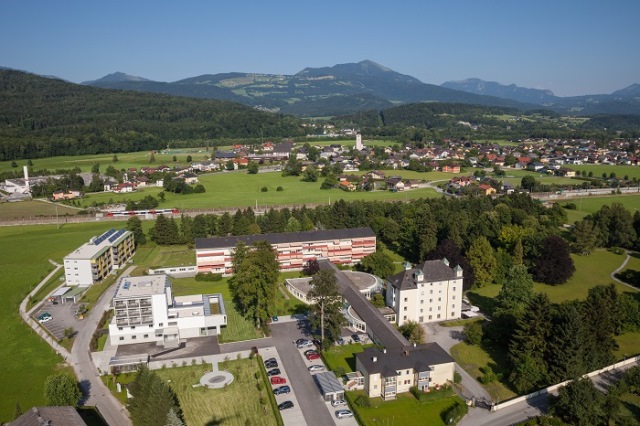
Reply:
x=482, y=260
x=62, y=390
x=326, y=308
x=554, y=265
x=413, y=332
x=378, y=263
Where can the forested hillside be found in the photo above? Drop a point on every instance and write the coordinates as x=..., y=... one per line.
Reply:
x=433, y=120
x=41, y=117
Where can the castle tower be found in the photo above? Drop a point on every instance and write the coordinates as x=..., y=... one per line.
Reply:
x=359, y=145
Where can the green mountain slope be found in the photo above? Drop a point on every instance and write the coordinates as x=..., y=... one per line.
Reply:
x=41, y=117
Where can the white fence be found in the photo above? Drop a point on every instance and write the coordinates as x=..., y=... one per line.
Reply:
x=555, y=387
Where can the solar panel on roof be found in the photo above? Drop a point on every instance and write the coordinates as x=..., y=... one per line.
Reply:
x=116, y=235
x=104, y=236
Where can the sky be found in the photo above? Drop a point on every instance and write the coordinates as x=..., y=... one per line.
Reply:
x=572, y=47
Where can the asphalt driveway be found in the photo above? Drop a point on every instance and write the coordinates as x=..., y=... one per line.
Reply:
x=63, y=315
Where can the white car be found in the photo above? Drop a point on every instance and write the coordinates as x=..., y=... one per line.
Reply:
x=338, y=402
x=305, y=344
x=315, y=368
x=44, y=318
x=344, y=414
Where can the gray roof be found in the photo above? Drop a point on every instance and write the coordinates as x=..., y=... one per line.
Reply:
x=284, y=237
x=388, y=335
x=419, y=358
x=37, y=416
x=328, y=383
x=433, y=270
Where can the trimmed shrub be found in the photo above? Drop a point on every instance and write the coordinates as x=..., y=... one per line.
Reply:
x=455, y=413
x=208, y=277
x=264, y=189
x=279, y=189
x=363, y=401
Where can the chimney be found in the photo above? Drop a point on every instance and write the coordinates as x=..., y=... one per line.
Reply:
x=374, y=359
x=384, y=350
x=26, y=177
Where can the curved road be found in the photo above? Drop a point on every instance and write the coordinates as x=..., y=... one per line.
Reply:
x=95, y=391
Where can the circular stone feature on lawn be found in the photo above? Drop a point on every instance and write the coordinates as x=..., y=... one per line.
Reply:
x=216, y=379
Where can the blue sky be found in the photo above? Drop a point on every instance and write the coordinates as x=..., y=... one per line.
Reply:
x=570, y=47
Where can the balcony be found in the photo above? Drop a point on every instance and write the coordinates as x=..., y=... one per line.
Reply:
x=120, y=305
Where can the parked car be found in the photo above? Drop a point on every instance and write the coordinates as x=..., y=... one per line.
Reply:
x=274, y=318
x=316, y=367
x=340, y=341
x=356, y=338
x=343, y=414
x=45, y=317
x=285, y=405
x=338, y=402
x=304, y=344
x=310, y=351
x=313, y=356
x=281, y=390
x=271, y=363
x=273, y=372
x=277, y=380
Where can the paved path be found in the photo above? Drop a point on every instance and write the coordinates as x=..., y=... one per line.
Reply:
x=620, y=268
x=95, y=391
x=447, y=337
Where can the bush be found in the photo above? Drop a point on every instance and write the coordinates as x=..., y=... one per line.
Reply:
x=488, y=375
x=208, y=277
x=279, y=189
x=570, y=206
x=420, y=395
x=616, y=250
x=473, y=332
x=455, y=413
x=264, y=189
x=363, y=401
x=457, y=378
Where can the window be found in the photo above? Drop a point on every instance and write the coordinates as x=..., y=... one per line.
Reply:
x=159, y=324
x=430, y=309
x=421, y=310
x=454, y=289
x=453, y=297
x=133, y=327
x=375, y=386
x=407, y=372
x=405, y=299
x=429, y=316
x=121, y=338
x=431, y=292
x=145, y=336
x=430, y=300
x=120, y=328
x=453, y=306
x=133, y=337
x=438, y=316
x=150, y=325
x=404, y=318
x=439, y=299
x=405, y=309
x=421, y=301
x=439, y=307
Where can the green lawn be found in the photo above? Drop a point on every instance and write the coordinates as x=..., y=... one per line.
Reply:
x=591, y=271
x=154, y=256
x=472, y=358
x=343, y=357
x=24, y=254
x=239, y=404
x=599, y=169
x=628, y=345
x=405, y=410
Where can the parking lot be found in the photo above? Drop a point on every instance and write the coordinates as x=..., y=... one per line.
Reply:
x=290, y=416
x=63, y=315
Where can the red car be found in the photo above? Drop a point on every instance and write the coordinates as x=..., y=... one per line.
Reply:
x=313, y=356
x=277, y=380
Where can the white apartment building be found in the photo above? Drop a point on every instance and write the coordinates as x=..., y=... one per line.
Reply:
x=145, y=310
x=430, y=292
x=92, y=261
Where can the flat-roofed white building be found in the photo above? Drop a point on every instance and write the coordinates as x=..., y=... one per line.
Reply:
x=145, y=310
x=430, y=292
x=92, y=261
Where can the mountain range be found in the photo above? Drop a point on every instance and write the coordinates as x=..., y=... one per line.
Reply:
x=352, y=87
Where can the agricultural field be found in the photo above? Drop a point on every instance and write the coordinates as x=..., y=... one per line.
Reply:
x=34, y=208
x=239, y=189
x=24, y=255
x=599, y=169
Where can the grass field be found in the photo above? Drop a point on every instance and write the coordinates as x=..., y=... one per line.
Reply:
x=237, y=405
x=472, y=358
x=599, y=169
x=32, y=209
x=591, y=271
x=239, y=189
x=27, y=360
x=405, y=410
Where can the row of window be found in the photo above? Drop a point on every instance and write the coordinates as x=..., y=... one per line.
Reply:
x=134, y=337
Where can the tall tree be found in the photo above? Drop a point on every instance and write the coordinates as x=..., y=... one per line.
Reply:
x=225, y=225
x=413, y=332
x=482, y=260
x=62, y=390
x=585, y=237
x=579, y=403
x=134, y=224
x=152, y=400
x=602, y=320
x=255, y=284
x=528, y=347
x=517, y=289
x=327, y=302
x=567, y=343
x=554, y=265
x=378, y=263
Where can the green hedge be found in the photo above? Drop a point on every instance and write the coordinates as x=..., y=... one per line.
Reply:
x=350, y=397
